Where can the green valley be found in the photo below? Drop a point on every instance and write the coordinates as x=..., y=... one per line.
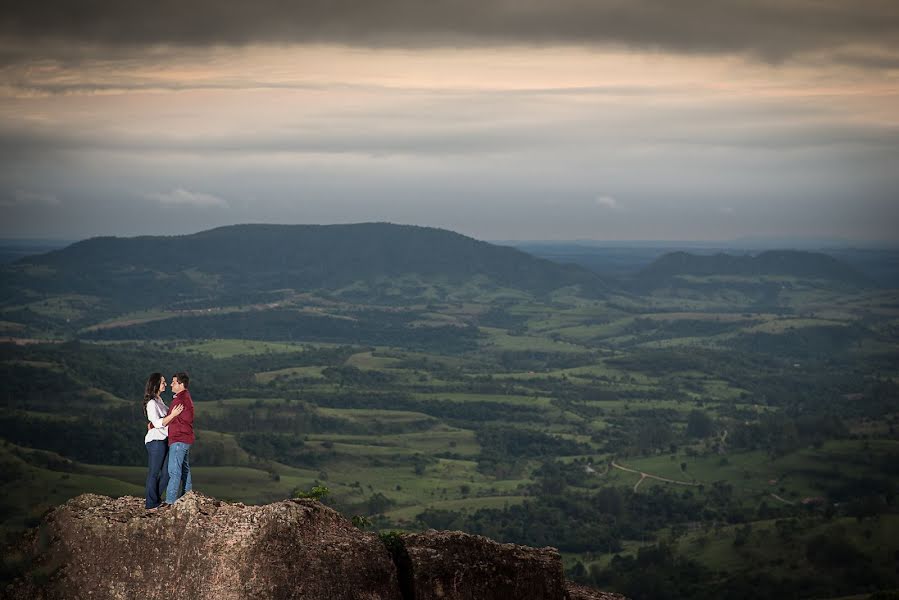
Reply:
x=709, y=428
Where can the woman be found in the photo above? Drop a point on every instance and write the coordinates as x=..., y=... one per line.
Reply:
x=156, y=439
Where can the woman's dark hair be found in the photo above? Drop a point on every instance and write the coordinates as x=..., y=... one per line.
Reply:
x=152, y=389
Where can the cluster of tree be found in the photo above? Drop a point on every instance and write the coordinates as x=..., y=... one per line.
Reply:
x=768, y=380
x=38, y=458
x=836, y=567
x=216, y=297
x=779, y=434
x=864, y=497
x=108, y=440
x=467, y=412
x=795, y=263
x=699, y=424
x=36, y=323
x=553, y=477
x=498, y=316
x=655, y=329
x=656, y=572
x=288, y=449
x=27, y=387
x=654, y=430
x=532, y=523
x=390, y=293
x=220, y=451
x=122, y=369
x=283, y=324
x=576, y=520
x=301, y=418
x=820, y=343
x=533, y=360
x=349, y=375
x=563, y=389
x=726, y=365
x=503, y=449
x=292, y=417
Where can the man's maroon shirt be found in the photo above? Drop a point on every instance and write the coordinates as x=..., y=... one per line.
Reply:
x=181, y=428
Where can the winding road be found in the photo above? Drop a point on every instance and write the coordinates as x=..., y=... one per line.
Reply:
x=644, y=476
x=650, y=476
x=784, y=500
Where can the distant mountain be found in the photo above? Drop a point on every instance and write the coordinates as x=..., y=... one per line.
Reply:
x=12, y=250
x=623, y=260
x=774, y=263
x=250, y=261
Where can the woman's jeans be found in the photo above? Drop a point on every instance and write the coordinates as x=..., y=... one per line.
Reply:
x=157, y=471
x=179, y=472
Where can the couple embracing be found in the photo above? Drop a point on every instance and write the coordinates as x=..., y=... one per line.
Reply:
x=170, y=435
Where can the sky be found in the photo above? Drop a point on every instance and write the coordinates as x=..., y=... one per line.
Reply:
x=498, y=119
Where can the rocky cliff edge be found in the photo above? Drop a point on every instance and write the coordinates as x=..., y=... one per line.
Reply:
x=201, y=548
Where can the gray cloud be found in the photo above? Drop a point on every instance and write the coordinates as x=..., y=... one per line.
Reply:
x=522, y=178
x=608, y=202
x=182, y=197
x=20, y=198
x=771, y=29
x=490, y=198
x=429, y=123
x=140, y=118
x=23, y=80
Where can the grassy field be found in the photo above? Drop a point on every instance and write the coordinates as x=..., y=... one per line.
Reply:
x=435, y=440
x=495, y=398
x=407, y=515
x=784, y=555
x=398, y=433
x=31, y=489
x=226, y=348
x=805, y=473
x=290, y=373
x=499, y=341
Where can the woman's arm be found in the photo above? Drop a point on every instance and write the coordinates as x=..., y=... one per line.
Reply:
x=171, y=416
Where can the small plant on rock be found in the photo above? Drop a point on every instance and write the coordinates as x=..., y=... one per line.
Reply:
x=316, y=493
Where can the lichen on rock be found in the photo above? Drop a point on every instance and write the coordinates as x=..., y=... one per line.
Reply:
x=205, y=549
x=201, y=548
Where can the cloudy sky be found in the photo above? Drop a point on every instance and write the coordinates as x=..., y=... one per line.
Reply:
x=500, y=119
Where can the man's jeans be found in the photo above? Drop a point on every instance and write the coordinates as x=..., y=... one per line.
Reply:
x=179, y=472
x=157, y=471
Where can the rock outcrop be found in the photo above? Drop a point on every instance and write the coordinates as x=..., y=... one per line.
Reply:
x=200, y=548
x=204, y=549
x=452, y=564
x=582, y=592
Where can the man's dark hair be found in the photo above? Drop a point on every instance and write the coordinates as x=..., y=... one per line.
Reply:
x=184, y=378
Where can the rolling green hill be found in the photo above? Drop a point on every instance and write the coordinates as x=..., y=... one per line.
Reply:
x=251, y=261
x=730, y=433
x=773, y=263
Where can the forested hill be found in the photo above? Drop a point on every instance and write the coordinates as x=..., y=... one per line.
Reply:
x=252, y=258
x=785, y=263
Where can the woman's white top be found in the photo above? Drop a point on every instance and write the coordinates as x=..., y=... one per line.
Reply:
x=156, y=411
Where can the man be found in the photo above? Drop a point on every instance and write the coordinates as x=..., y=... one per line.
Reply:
x=181, y=438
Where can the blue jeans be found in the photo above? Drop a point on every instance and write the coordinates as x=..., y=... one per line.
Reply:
x=179, y=472
x=157, y=471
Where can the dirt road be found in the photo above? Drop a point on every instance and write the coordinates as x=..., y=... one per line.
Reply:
x=650, y=476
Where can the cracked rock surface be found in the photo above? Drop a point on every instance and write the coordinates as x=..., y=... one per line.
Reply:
x=201, y=548
x=205, y=549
